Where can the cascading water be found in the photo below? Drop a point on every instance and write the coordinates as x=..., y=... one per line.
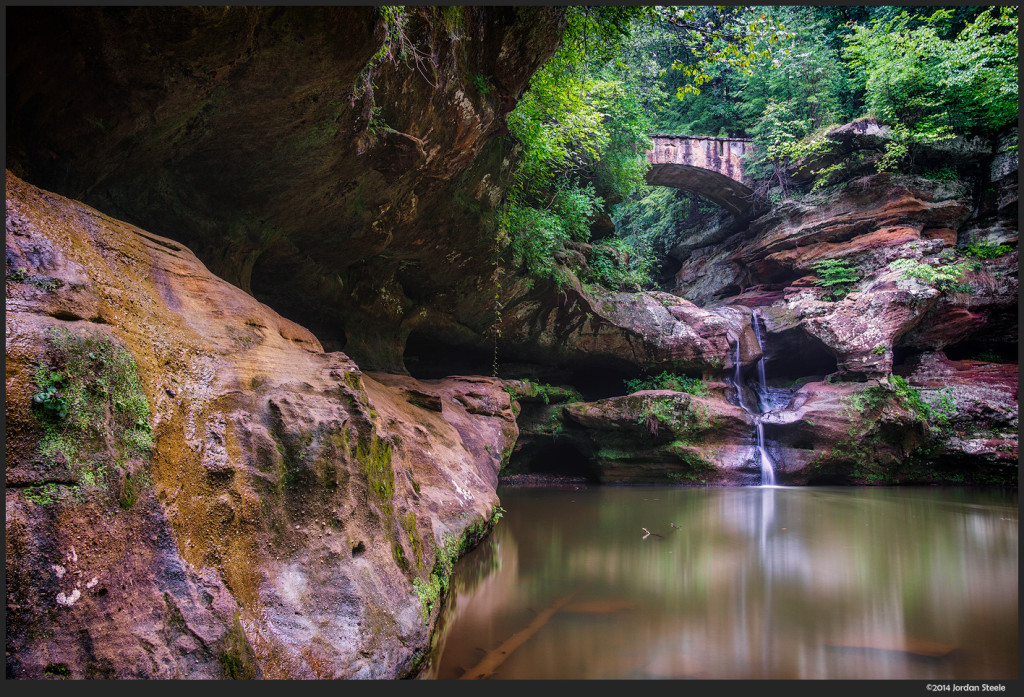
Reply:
x=765, y=460
x=763, y=384
x=737, y=379
x=767, y=468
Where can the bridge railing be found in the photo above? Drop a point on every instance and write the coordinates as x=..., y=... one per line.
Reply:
x=682, y=137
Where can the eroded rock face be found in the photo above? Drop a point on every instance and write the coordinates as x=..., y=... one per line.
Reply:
x=603, y=329
x=291, y=148
x=868, y=224
x=276, y=521
x=981, y=430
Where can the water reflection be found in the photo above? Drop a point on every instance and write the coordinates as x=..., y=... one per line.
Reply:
x=739, y=583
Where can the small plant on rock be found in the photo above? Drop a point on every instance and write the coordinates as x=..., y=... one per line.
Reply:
x=48, y=400
x=90, y=406
x=984, y=250
x=837, y=275
x=945, y=277
x=668, y=381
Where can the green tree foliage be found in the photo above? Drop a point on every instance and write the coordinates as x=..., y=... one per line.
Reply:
x=584, y=122
x=783, y=76
x=706, y=53
x=796, y=96
x=656, y=218
x=937, y=86
x=718, y=38
x=583, y=126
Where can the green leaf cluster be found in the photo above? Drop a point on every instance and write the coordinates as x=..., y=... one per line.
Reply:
x=985, y=250
x=838, y=275
x=668, y=381
x=945, y=277
x=583, y=129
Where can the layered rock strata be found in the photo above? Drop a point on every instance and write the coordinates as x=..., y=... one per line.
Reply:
x=269, y=509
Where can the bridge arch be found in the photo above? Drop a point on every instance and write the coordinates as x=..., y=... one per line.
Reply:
x=711, y=167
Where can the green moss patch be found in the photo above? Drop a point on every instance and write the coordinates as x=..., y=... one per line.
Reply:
x=91, y=407
x=235, y=657
x=374, y=456
x=432, y=589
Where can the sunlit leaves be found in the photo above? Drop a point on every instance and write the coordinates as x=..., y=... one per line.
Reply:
x=936, y=86
x=740, y=38
x=583, y=127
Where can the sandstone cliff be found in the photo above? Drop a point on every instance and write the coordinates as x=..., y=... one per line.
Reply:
x=339, y=166
x=268, y=509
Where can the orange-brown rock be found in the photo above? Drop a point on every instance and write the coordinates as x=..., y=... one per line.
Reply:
x=288, y=502
x=870, y=221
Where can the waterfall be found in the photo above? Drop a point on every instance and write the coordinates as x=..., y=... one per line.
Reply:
x=763, y=384
x=767, y=469
x=738, y=379
x=764, y=459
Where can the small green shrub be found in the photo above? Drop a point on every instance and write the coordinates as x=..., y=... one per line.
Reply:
x=989, y=356
x=45, y=494
x=910, y=396
x=669, y=381
x=824, y=175
x=945, y=277
x=528, y=389
x=656, y=413
x=837, y=275
x=946, y=173
x=48, y=400
x=482, y=85
x=618, y=265
x=984, y=250
x=59, y=669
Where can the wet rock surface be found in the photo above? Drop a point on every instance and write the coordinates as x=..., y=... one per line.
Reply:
x=285, y=505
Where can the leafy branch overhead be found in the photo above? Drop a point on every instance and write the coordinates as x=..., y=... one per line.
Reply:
x=731, y=36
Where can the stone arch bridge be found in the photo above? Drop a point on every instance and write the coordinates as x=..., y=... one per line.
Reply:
x=711, y=167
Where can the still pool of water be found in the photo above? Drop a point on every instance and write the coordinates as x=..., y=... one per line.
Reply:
x=738, y=583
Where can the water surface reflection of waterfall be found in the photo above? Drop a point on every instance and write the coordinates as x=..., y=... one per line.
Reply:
x=742, y=583
x=764, y=459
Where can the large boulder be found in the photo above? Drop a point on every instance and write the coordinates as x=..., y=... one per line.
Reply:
x=946, y=422
x=655, y=436
x=196, y=489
